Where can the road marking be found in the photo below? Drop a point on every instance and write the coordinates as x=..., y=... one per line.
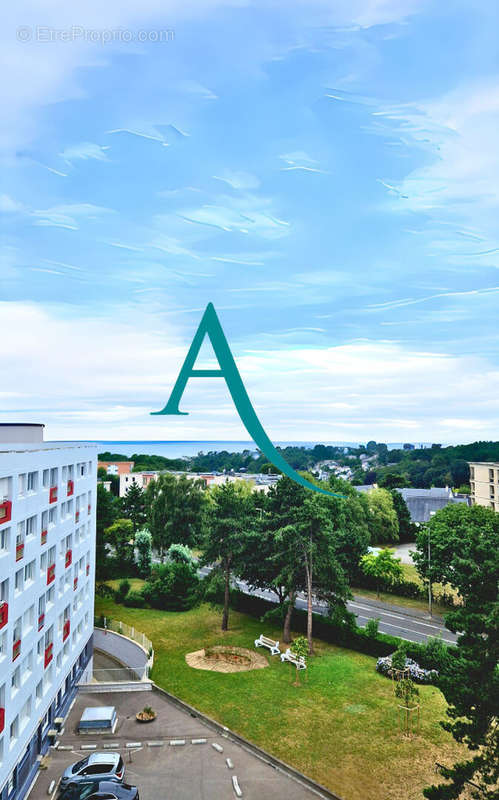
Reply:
x=177, y=742
x=217, y=747
x=402, y=617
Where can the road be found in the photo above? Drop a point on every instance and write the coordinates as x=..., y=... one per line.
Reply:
x=406, y=623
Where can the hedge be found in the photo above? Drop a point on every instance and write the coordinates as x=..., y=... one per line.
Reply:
x=343, y=635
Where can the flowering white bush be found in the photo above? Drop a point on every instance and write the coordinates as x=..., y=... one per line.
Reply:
x=416, y=673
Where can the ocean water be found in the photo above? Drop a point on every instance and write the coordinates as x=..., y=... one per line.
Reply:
x=192, y=448
x=172, y=449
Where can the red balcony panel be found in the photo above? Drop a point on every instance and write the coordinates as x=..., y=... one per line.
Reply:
x=41, y=621
x=19, y=551
x=16, y=650
x=77, y=516
x=2, y=719
x=43, y=537
x=65, y=630
x=50, y=573
x=71, y=488
x=69, y=557
x=5, y=511
x=75, y=584
x=89, y=508
x=48, y=654
x=53, y=494
x=4, y=614
x=88, y=569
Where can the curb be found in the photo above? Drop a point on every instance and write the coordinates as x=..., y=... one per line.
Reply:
x=272, y=761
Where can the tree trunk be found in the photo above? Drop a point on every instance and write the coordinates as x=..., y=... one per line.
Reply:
x=286, y=631
x=308, y=573
x=225, y=617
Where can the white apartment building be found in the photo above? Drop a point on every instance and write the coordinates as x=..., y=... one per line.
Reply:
x=47, y=567
x=484, y=483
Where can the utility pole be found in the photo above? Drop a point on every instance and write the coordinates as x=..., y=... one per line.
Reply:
x=429, y=570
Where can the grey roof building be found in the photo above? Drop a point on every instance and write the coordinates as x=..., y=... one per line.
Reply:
x=422, y=503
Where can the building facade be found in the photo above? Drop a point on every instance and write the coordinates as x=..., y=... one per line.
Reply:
x=47, y=569
x=484, y=483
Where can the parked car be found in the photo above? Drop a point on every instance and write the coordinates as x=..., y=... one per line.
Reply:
x=99, y=790
x=97, y=766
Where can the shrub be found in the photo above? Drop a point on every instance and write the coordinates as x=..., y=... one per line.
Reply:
x=103, y=590
x=123, y=589
x=134, y=600
x=172, y=587
x=300, y=647
x=180, y=553
x=386, y=666
x=399, y=657
x=371, y=627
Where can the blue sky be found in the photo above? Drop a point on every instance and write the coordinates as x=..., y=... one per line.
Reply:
x=326, y=173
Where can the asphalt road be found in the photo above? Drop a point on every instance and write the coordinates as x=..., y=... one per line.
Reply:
x=406, y=623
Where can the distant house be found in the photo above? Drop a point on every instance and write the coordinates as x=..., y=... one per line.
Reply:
x=368, y=487
x=422, y=503
x=484, y=482
x=116, y=467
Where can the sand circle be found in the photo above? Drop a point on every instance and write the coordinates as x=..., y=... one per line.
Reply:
x=222, y=658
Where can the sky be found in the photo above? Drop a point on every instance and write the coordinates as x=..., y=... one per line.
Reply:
x=325, y=173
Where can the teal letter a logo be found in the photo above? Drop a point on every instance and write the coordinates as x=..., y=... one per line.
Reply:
x=210, y=325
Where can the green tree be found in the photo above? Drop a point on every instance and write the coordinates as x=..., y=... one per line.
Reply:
x=120, y=535
x=107, y=511
x=175, y=511
x=464, y=552
x=383, y=522
x=133, y=506
x=143, y=543
x=231, y=517
x=407, y=529
x=383, y=567
x=102, y=474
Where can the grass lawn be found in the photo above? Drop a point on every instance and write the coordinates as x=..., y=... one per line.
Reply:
x=339, y=727
x=136, y=584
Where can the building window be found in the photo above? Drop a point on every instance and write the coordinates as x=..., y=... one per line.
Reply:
x=39, y=691
x=29, y=572
x=21, y=485
x=19, y=583
x=4, y=541
x=52, y=517
x=32, y=482
x=28, y=619
x=25, y=713
x=14, y=731
x=15, y=680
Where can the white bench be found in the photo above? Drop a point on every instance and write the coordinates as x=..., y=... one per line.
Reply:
x=264, y=641
x=298, y=661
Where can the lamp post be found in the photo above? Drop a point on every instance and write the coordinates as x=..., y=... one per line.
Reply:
x=429, y=569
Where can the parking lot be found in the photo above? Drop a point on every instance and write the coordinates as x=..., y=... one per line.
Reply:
x=171, y=758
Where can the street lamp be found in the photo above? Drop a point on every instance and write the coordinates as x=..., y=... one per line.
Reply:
x=429, y=569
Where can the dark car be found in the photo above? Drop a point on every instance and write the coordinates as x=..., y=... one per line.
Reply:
x=99, y=790
x=95, y=767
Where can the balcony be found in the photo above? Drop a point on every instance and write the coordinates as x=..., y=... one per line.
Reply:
x=41, y=621
x=16, y=650
x=77, y=516
x=88, y=569
x=69, y=558
x=2, y=719
x=65, y=630
x=89, y=509
x=48, y=655
x=71, y=488
x=50, y=574
x=19, y=551
x=4, y=614
x=75, y=584
x=43, y=537
x=5, y=511
x=53, y=494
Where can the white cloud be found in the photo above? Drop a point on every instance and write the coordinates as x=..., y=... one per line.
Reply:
x=85, y=151
x=8, y=205
x=106, y=375
x=238, y=180
x=69, y=215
